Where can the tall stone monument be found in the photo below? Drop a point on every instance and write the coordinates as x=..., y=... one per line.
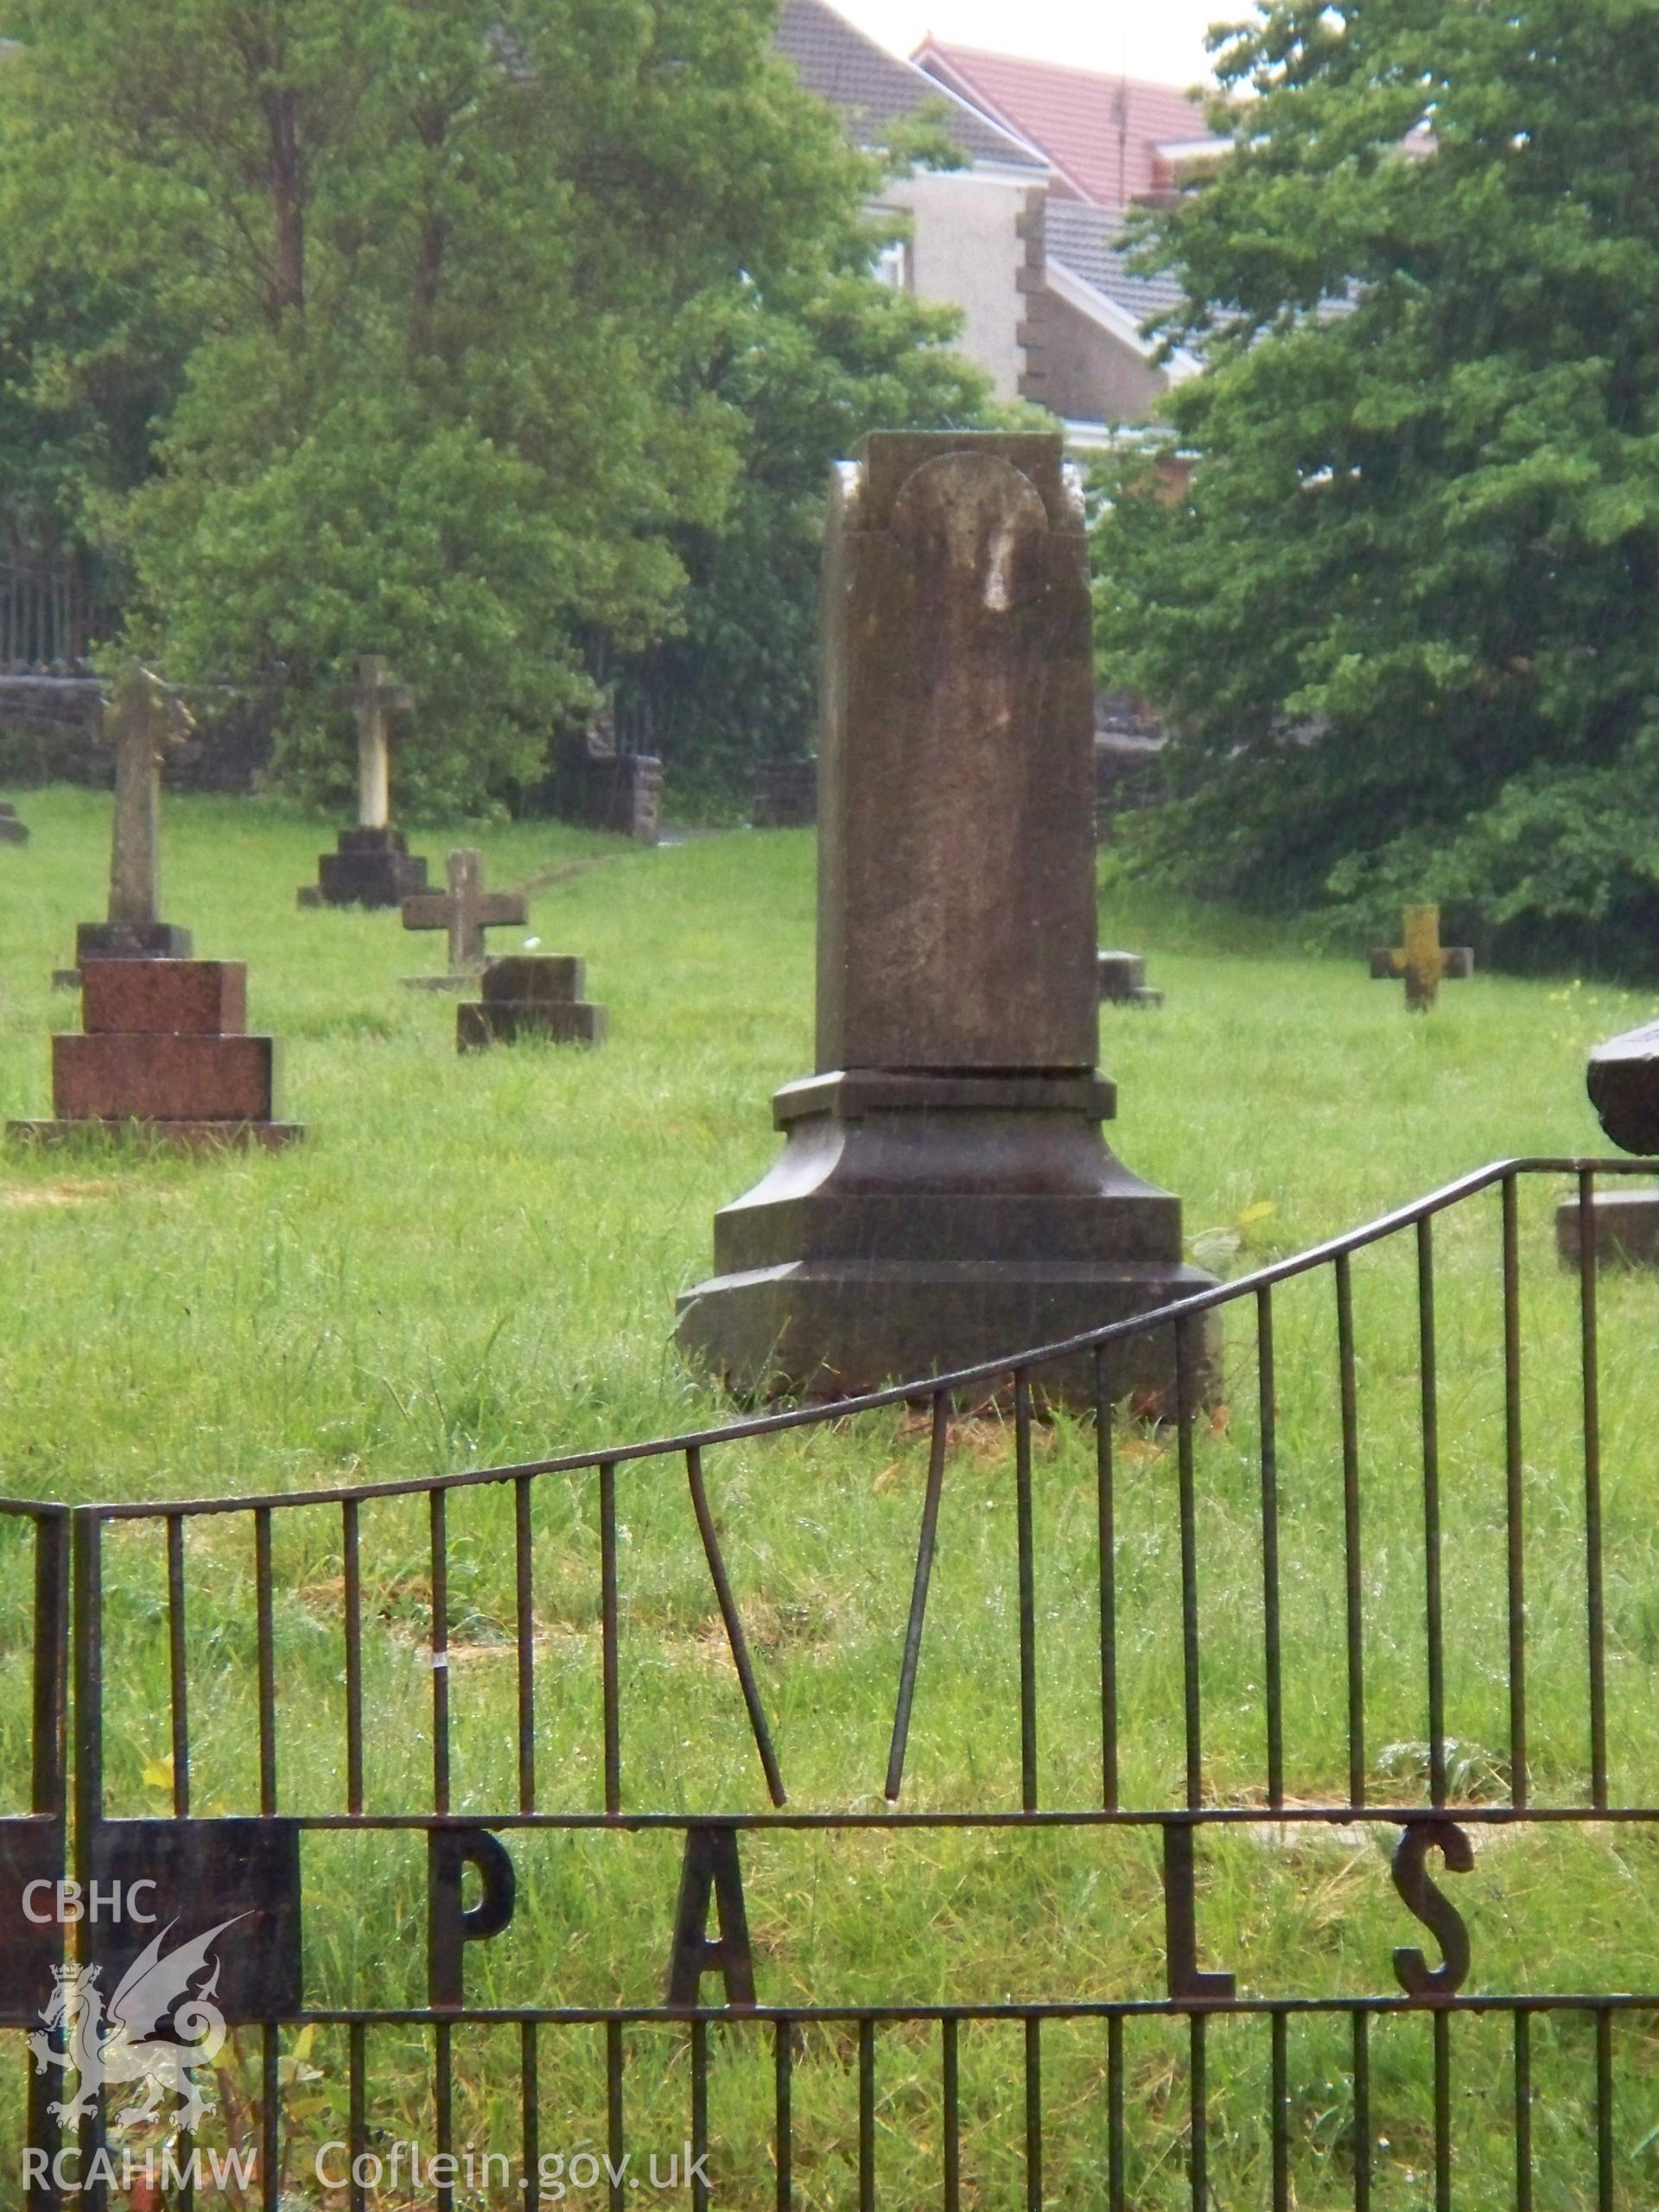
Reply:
x=372, y=866
x=145, y=722
x=944, y=1196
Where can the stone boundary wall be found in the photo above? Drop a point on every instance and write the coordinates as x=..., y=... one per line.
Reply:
x=49, y=734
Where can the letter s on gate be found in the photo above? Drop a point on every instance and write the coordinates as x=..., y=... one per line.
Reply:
x=1441, y=1917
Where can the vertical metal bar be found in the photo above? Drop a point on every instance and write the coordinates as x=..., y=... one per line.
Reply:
x=89, y=1769
x=1362, y=2142
x=1595, y=1623
x=951, y=2097
x=1430, y=1427
x=438, y=1513
x=1028, y=1592
x=1106, y=1519
x=735, y=1636
x=616, y=2132
x=699, y=2113
x=607, y=1625
x=261, y=1578
x=48, y=1746
x=925, y=1546
x=178, y=1677
x=1115, y=2147
x=350, y=1552
x=1269, y=1430
x=1198, y=2161
x=783, y=2057
x=444, y=2102
x=50, y=1765
x=271, y=2120
x=1603, y=2106
x=1522, y=2110
x=530, y=2115
x=1189, y=1567
x=1514, y=1501
x=357, y=2122
x=1034, y=2115
x=525, y=1602
x=1442, y=2112
x=867, y=2116
x=1281, y=2095
x=1356, y=1584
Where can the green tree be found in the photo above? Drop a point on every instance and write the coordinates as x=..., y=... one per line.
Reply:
x=1404, y=618
x=449, y=276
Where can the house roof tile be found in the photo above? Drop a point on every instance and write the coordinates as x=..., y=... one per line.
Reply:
x=1102, y=133
x=874, y=88
x=1087, y=241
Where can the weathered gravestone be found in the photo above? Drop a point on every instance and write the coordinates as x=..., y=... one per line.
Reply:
x=785, y=795
x=1421, y=960
x=944, y=1196
x=12, y=831
x=163, y=1050
x=465, y=911
x=1622, y=1080
x=372, y=866
x=524, y=996
x=145, y=722
x=1122, y=979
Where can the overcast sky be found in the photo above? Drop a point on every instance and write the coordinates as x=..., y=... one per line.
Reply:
x=1159, y=39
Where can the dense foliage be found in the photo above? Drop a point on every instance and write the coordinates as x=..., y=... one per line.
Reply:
x=449, y=331
x=1405, y=616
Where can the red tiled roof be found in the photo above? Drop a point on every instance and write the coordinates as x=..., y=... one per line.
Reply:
x=1102, y=133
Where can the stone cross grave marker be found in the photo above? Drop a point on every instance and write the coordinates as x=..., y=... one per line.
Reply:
x=377, y=697
x=146, y=720
x=466, y=910
x=1422, y=960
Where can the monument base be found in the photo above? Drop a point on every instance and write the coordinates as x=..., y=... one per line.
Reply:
x=1626, y=1230
x=525, y=997
x=1122, y=977
x=916, y=1224
x=372, y=867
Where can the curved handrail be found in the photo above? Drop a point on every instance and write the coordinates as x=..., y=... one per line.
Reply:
x=894, y=1394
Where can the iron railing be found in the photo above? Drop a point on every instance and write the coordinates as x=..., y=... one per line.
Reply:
x=1268, y=1482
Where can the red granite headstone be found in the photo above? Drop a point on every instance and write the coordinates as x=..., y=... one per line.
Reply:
x=163, y=1048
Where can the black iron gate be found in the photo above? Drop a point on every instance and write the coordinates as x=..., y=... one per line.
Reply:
x=239, y=1695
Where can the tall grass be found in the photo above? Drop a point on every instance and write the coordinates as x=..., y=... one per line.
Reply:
x=474, y=1262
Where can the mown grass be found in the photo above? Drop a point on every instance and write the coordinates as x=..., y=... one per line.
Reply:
x=473, y=1262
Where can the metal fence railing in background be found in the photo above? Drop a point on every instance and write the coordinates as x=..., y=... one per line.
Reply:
x=43, y=618
x=1271, y=1577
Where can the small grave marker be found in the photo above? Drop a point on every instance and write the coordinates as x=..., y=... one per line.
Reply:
x=1421, y=960
x=1122, y=978
x=465, y=911
x=372, y=866
x=526, y=996
x=12, y=831
x=147, y=721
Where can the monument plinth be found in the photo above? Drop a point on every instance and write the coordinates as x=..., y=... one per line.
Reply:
x=372, y=866
x=1622, y=1080
x=524, y=996
x=944, y=1196
x=163, y=1051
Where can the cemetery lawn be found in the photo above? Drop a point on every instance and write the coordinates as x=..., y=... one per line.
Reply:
x=474, y=1262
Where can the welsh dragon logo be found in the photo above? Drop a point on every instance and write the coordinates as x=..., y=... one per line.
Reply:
x=120, y=2046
